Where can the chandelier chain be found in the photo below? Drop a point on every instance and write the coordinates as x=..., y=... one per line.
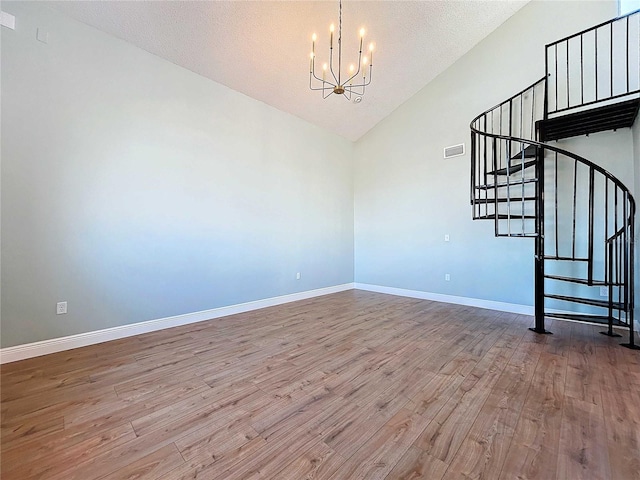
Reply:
x=340, y=44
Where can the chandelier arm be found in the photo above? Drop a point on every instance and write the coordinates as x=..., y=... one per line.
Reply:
x=323, y=88
x=367, y=82
x=328, y=95
x=311, y=87
x=320, y=88
x=352, y=90
x=337, y=79
x=358, y=71
x=320, y=80
x=370, y=75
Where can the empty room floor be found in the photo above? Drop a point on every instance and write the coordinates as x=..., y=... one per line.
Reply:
x=350, y=385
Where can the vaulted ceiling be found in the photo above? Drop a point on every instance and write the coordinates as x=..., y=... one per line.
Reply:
x=261, y=48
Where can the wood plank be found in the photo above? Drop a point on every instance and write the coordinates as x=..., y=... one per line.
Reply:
x=151, y=466
x=533, y=452
x=378, y=455
x=317, y=462
x=51, y=457
x=445, y=434
x=418, y=464
x=484, y=450
x=580, y=455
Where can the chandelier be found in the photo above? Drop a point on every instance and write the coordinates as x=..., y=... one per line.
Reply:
x=332, y=80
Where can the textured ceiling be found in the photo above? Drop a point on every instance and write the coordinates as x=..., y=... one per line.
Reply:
x=261, y=48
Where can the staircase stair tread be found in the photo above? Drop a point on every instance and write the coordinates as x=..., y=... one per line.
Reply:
x=515, y=168
x=582, y=281
x=529, y=152
x=585, y=301
x=519, y=235
x=569, y=259
x=506, y=184
x=609, y=117
x=584, y=317
x=491, y=201
x=504, y=216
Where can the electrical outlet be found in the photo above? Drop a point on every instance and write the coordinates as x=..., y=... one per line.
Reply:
x=604, y=291
x=447, y=277
x=42, y=35
x=61, y=308
x=298, y=276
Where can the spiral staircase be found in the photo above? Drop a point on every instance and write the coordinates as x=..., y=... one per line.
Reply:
x=580, y=216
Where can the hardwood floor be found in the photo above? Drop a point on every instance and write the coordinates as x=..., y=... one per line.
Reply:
x=345, y=386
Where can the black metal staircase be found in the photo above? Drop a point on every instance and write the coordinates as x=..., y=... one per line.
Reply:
x=580, y=216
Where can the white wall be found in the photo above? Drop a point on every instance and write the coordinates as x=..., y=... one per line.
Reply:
x=135, y=189
x=407, y=197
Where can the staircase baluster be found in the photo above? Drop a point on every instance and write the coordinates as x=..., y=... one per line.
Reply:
x=556, y=75
x=575, y=190
x=611, y=58
x=581, y=70
x=595, y=32
x=555, y=194
x=568, y=102
x=485, y=155
x=627, y=55
x=591, y=226
x=631, y=319
x=625, y=253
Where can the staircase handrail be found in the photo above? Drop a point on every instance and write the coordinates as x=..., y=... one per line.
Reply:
x=505, y=102
x=589, y=163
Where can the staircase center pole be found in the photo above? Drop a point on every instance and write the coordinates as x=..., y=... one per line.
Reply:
x=539, y=252
x=539, y=248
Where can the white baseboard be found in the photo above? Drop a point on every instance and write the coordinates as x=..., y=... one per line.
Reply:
x=440, y=297
x=471, y=302
x=36, y=349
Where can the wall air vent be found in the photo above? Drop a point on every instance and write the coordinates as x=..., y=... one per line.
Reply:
x=454, y=151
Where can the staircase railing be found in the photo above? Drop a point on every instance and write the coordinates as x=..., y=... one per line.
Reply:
x=598, y=64
x=502, y=138
x=518, y=182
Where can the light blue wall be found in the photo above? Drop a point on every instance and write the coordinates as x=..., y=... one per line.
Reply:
x=134, y=189
x=407, y=197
